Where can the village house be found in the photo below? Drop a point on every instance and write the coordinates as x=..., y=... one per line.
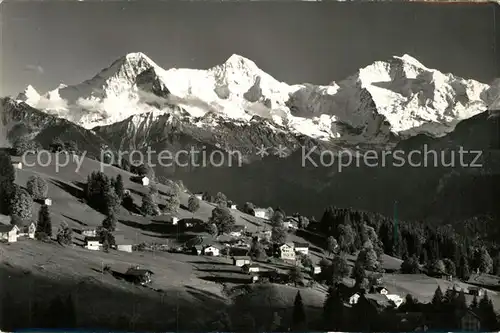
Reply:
x=47, y=202
x=287, y=251
x=93, y=243
x=17, y=165
x=470, y=322
x=89, y=232
x=237, y=231
x=262, y=213
x=8, y=233
x=354, y=298
x=138, y=275
x=199, y=196
x=145, y=181
x=301, y=248
x=241, y=261
x=211, y=250
x=250, y=268
x=232, y=206
x=26, y=229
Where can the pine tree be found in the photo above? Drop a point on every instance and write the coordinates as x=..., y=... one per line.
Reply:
x=474, y=304
x=299, y=314
x=112, y=201
x=221, y=199
x=463, y=267
x=110, y=222
x=331, y=245
x=64, y=234
x=295, y=275
x=333, y=311
x=438, y=297
x=149, y=207
x=7, y=191
x=223, y=219
x=358, y=273
x=44, y=225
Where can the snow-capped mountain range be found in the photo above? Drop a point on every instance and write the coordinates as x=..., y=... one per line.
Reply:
x=398, y=97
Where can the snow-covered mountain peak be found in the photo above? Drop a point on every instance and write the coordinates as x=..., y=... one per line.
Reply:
x=396, y=96
x=29, y=95
x=408, y=59
x=240, y=63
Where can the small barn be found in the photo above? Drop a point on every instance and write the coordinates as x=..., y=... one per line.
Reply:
x=241, y=261
x=250, y=268
x=261, y=213
x=17, y=165
x=47, y=202
x=123, y=244
x=199, y=196
x=301, y=247
x=145, y=181
x=138, y=275
x=89, y=232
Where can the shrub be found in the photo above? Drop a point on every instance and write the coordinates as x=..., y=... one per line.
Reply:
x=37, y=187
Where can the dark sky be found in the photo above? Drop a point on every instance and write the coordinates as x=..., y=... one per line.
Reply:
x=52, y=42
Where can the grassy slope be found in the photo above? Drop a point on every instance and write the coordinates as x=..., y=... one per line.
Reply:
x=187, y=277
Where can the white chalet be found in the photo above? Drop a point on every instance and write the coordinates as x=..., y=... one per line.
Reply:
x=89, y=232
x=211, y=251
x=354, y=299
x=262, y=213
x=199, y=196
x=8, y=233
x=398, y=300
x=241, y=261
x=47, y=202
x=233, y=206
x=287, y=251
x=145, y=181
x=250, y=268
x=26, y=229
x=93, y=243
x=17, y=165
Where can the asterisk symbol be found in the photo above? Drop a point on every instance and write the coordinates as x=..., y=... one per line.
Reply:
x=280, y=151
x=262, y=151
